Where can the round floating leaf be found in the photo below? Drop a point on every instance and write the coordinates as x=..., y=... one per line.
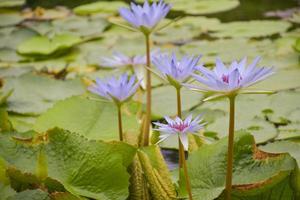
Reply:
x=284, y=107
x=88, y=27
x=100, y=7
x=30, y=195
x=11, y=3
x=6, y=191
x=9, y=55
x=164, y=101
x=203, y=6
x=8, y=19
x=34, y=94
x=255, y=28
x=231, y=49
x=249, y=116
x=41, y=45
x=292, y=148
x=93, y=119
x=253, y=170
x=184, y=29
x=46, y=14
x=18, y=34
x=84, y=167
x=197, y=7
x=282, y=80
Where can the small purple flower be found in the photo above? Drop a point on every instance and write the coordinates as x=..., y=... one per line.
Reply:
x=237, y=76
x=121, y=60
x=179, y=127
x=176, y=71
x=145, y=17
x=117, y=90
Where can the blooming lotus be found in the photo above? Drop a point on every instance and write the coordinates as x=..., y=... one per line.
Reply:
x=179, y=128
x=229, y=80
x=146, y=17
x=117, y=90
x=176, y=71
x=120, y=60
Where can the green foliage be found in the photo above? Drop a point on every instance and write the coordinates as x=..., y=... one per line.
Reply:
x=84, y=167
x=99, y=7
x=250, y=29
x=87, y=117
x=33, y=94
x=41, y=45
x=254, y=171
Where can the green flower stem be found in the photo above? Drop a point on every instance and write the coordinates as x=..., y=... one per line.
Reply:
x=179, y=114
x=120, y=123
x=182, y=161
x=230, y=148
x=148, y=91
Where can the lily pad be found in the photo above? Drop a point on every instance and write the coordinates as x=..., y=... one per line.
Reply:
x=66, y=153
x=292, y=148
x=231, y=49
x=33, y=94
x=11, y=3
x=46, y=14
x=249, y=116
x=164, y=101
x=200, y=7
x=8, y=19
x=250, y=29
x=18, y=34
x=109, y=7
x=30, y=195
x=253, y=168
x=87, y=27
x=91, y=118
x=282, y=80
x=41, y=45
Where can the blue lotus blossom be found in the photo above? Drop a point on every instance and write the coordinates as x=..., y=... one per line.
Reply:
x=145, y=17
x=230, y=79
x=121, y=60
x=179, y=127
x=117, y=90
x=176, y=71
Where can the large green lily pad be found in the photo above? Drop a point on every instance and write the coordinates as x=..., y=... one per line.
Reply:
x=164, y=101
x=91, y=118
x=254, y=171
x=249, y=116
x=11, y=3
x=41, y=45
x=87, y=27
x=84, y=167
x=11, y=18
x=33, y=94
x=231, y=49
x=201, y=7
x=250, y=29
x=99, y=7
x=19, y=34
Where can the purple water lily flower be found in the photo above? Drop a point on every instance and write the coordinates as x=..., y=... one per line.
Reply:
x=236, y=77
x=117, y=90
x=119, y=60
x=145, y=17
x=176, y=71
x=179, y=128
